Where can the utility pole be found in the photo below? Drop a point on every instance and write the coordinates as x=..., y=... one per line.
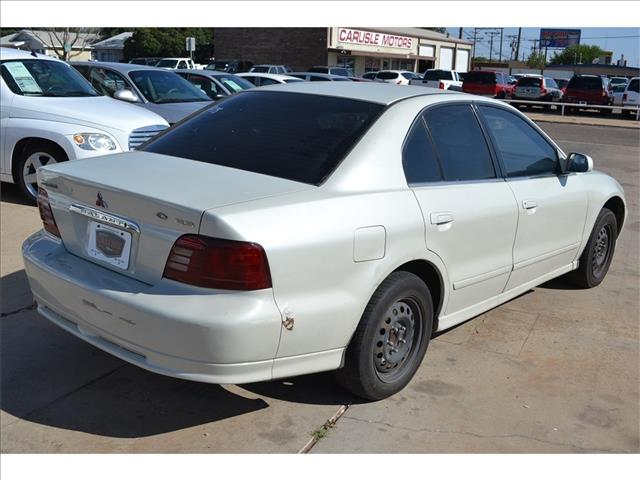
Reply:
x=460, y=33
x=518, y=44
x=491, y=35
x=500, y=54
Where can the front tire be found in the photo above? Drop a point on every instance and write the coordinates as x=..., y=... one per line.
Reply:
x=32, y=157
x=596, y=258
x=391, y=338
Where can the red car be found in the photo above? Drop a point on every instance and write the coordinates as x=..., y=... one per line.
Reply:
x=588, y=90
x=481, y=82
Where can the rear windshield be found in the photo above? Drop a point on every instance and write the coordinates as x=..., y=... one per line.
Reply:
x=585, y=83
x=483, y=78
x=294, y=136
x=387, y=75
x=529, y=82
x=438, y=75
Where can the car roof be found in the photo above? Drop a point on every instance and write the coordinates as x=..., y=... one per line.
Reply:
x=202, y=71
x=14, y=53
x=274, y=76
x=267, y=65
x=316, y=74
x=376, y=92
x=120, y=67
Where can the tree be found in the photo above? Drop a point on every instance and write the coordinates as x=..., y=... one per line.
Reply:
x=437, y=29
x=480, y=60
x=57, y=40
x=577, y=54
x=536, y=60
x=169, y=42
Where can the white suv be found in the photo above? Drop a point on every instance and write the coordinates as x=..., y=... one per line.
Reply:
x=631, y=96
x=50, y=113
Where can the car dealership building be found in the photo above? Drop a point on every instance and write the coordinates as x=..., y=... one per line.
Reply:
x=362, y=49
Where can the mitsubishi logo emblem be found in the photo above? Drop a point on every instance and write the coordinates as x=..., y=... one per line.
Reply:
x=100, y=201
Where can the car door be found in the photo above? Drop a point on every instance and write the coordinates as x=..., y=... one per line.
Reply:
x=552, y=206
x=469, y=211
x=6, y=99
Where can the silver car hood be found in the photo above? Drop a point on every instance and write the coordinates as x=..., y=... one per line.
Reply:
x=98, y=112
x=174, y=112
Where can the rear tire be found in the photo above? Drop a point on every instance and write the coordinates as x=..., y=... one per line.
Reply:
x=33, y=156
x=390, y=340
x=596, y=258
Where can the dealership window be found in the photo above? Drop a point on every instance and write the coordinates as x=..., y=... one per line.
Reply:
x=371, y=64
x=398, y=64
x=347, y=62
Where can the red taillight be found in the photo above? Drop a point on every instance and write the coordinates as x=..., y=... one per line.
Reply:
x=441, y=86
x=48, y=221
x=543, y=91
x=218, y=263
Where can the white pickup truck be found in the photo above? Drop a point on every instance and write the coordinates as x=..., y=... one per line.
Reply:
x=175, y=63
x=442, y=79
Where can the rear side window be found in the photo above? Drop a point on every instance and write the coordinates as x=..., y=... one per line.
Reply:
x=438, y=75
x=287, y=135
x=387, y=75
x=418, y=157
x=523, y=150
x=585, y=83
x=483, y=78
x=550, y=83
x=529, y=82
x=459, y=143
x=633, y=85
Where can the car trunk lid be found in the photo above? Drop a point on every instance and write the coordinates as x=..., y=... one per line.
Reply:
x=125, y=211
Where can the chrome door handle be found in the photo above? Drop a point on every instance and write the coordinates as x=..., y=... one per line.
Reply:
x=441, y=218
x=529, y=204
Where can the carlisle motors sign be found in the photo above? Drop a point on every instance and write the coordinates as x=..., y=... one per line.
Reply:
x=375, y=39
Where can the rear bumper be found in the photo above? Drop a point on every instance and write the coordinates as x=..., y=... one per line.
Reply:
x=168, y=328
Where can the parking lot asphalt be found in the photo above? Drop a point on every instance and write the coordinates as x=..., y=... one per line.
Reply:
x=555, y=370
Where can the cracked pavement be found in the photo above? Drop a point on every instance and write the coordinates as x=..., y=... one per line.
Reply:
x=555, y=370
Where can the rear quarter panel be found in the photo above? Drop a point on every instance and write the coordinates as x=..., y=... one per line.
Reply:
x=599, y=188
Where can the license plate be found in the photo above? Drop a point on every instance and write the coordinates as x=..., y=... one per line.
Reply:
x=109, y=244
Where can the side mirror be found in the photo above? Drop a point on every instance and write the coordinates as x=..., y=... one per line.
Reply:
x=579, y=162
x=126, y=95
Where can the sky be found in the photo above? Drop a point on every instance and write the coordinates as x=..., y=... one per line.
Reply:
x=627, y=41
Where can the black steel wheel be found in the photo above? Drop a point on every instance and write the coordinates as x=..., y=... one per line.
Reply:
x=391, y=338
x=596, y=258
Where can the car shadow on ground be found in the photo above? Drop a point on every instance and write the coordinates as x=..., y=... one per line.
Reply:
x=50, y=377
x=10, y=193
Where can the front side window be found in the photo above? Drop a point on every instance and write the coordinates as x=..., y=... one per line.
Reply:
x=159, y=86
x=44, y=78
x=418, y=157
x=524, y=152
x=459, y=143
x=106, y=81
x=208, y=86
x=287, y=135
